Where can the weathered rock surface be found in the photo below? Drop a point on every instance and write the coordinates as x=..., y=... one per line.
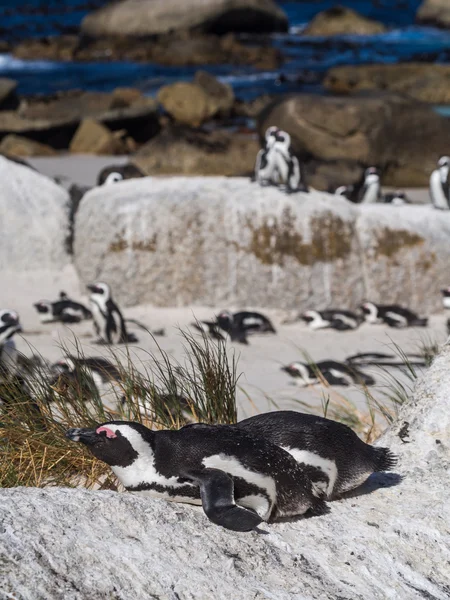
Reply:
x=385, y=130
x=184, y=151
x=434, y=12
x=150, y=17
x=390, y=541
x=220, y=241
x=92, y=137
x=198, y=101
x=35, y=220
x=340, y=20
x=174, y=49
x=55, y=120
x=422, y=81
x=8, y=97
x=16, y=145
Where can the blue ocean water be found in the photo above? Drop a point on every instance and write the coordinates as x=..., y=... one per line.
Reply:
x=308, y=57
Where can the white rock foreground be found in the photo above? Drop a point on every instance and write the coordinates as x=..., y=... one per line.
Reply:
x=391, y=541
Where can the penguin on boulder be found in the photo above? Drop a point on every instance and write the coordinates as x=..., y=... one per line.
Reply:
x=439, y=184
x=240, y=480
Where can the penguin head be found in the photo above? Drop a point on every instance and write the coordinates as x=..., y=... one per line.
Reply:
x=309, y=316
x=113, y=177
x=444, y=161
x=270, y=135
x=44, y=307
x=342, y=190
x=283, y=139
x=117, y=443
x=446, y=292
x=369, y=310
x=297, y=369
x=100, y=290
x=9, y=324
x=225, y=320
x=65, y=365
x=371, y=176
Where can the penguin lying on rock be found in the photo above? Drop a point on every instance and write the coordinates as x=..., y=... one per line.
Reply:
x=64, y=310
x=240, y=480
x=334, y=457
x=334, y=373
x=392, y=315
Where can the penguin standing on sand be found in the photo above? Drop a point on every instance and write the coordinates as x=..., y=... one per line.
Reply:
x=239, y=479
x=439, y=184
x=64, y=310
x=332, y=371
x=108, y=320
x=334, y=457
x=392, y=315
x=341, y=320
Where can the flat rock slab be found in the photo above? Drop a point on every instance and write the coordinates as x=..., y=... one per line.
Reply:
x=390, y=541
x=227, y=241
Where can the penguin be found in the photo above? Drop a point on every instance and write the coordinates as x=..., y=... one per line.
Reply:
x=341, y=320
x=446, y=297
x=397, y=198
x=117, y=173
x=370, y=192
x=113, y=177
x=332, y=371
x=439, y=184
x=64, y=310
x=277, y=165
x=236, y=327
x=240, y=480
x=346, y=191
x=379, y=359
x=333, y=456
x=9, y=326
x=211, y=328
x=392, y=315
x=109, y=323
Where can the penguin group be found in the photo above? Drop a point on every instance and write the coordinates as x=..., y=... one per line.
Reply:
x=268, y=467
x=367, y=190
x=277, y=165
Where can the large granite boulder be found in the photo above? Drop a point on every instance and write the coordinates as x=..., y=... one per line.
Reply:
x=434, y=12
x=180, y=150
x=34, y=226
x=150, y=17
x=340, y=20
x=381, y=129
x=220, y=241
x=389, y=539
x=422, y=81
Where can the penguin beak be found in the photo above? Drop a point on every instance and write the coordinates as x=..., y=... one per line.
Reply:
x=92, y=288
x=85, y=436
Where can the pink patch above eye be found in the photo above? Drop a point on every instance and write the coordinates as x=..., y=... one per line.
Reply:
x=109, y=432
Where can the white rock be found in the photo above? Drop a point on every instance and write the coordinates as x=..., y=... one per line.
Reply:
x=391, y=541
x=34, y=221
x=226, y=241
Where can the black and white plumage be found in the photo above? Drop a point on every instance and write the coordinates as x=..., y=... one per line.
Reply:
x=341, y=320
x=64, y=310
x=370, y=192
x=236, y=326
x=397, y=198
x=332, y=371
x=117, y=173
x=239, y=479
x=446, y=297
x=108, y=320
x=334, y=457
x=392, y=315
x=277, y=165
x=440, y=185
x=380, y=359
x=9, y=325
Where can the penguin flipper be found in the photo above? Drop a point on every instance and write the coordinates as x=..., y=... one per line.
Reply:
x=216, y=492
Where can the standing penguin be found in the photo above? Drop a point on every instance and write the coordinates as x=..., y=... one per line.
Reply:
x=370, y=192
x=335, y=458
x=108, y=320
x=264, y=172
x=240, y=480
x=439, y=184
